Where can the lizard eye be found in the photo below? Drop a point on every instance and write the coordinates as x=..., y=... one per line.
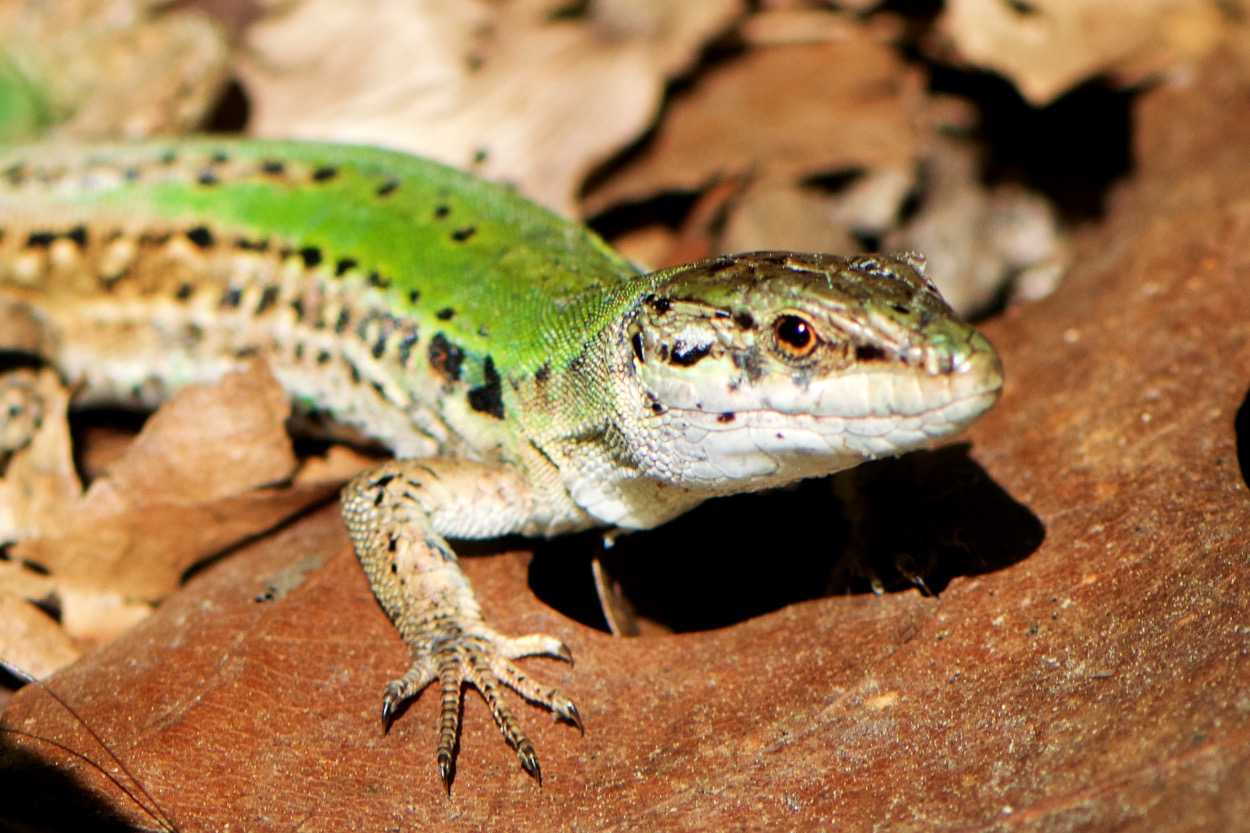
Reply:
x=795, y=336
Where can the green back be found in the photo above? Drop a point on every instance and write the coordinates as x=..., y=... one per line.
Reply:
x=456, y=253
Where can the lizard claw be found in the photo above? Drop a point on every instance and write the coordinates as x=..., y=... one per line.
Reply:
x=529, y=762
x=397, y=691
x=568, y=712
x=446, y=770
x=477, y=656
x=389, y=706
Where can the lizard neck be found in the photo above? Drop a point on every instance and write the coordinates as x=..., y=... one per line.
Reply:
x=588, y=426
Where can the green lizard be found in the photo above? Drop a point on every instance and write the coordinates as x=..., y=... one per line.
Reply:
x=528, y=379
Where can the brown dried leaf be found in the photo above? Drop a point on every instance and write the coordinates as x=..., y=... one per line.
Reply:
x=30, y=639
x=511, y=90
x=977, y=238
x=196, y=481
x=807, y=25
x=783, y=216
x=339, y=465
x=109, y=68
x=1046, y=47
x=20, y=580
x=231, y=437
x=39, y=487
x=781, y=113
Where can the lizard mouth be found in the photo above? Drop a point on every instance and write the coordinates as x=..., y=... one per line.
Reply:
x=884, y=415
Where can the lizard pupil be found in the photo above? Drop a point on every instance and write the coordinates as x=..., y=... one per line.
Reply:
x=794, y=335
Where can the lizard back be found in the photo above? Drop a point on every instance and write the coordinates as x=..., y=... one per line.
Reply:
x=395, y=294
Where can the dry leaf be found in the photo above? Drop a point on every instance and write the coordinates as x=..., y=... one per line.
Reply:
x=39, y=487
x=196, y=481
x=978, y=238
x=17, y=579
x=806, y=25
x=229, y=437
x=784, y=216
x=1046, y=47
x=515, y=91
x=785, y=113
x=108, y=68
x=30, y=639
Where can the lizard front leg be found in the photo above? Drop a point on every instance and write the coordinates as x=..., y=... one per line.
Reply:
x=398, y=516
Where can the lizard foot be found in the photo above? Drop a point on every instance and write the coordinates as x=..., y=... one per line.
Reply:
x=482, y=658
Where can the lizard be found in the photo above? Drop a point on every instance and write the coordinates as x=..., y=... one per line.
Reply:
x=527, y=378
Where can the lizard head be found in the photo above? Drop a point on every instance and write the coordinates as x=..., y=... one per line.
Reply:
x=764, y=368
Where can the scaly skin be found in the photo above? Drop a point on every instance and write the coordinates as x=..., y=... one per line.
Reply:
x=528, y=379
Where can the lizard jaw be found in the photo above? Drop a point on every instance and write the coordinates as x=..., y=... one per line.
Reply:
x=758, y=448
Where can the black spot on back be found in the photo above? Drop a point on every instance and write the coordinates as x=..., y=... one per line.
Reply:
x=273, y=167
x=40, y=239
x=268, y=297
x=201, y=237
x=487, y=398
x=445, y=314
x=387, y=188
x=446, y=358
x=344, y=266
x=78, y=234
x=406, y=345
x=325, y=174
x=311, y=256
x=461, y=235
